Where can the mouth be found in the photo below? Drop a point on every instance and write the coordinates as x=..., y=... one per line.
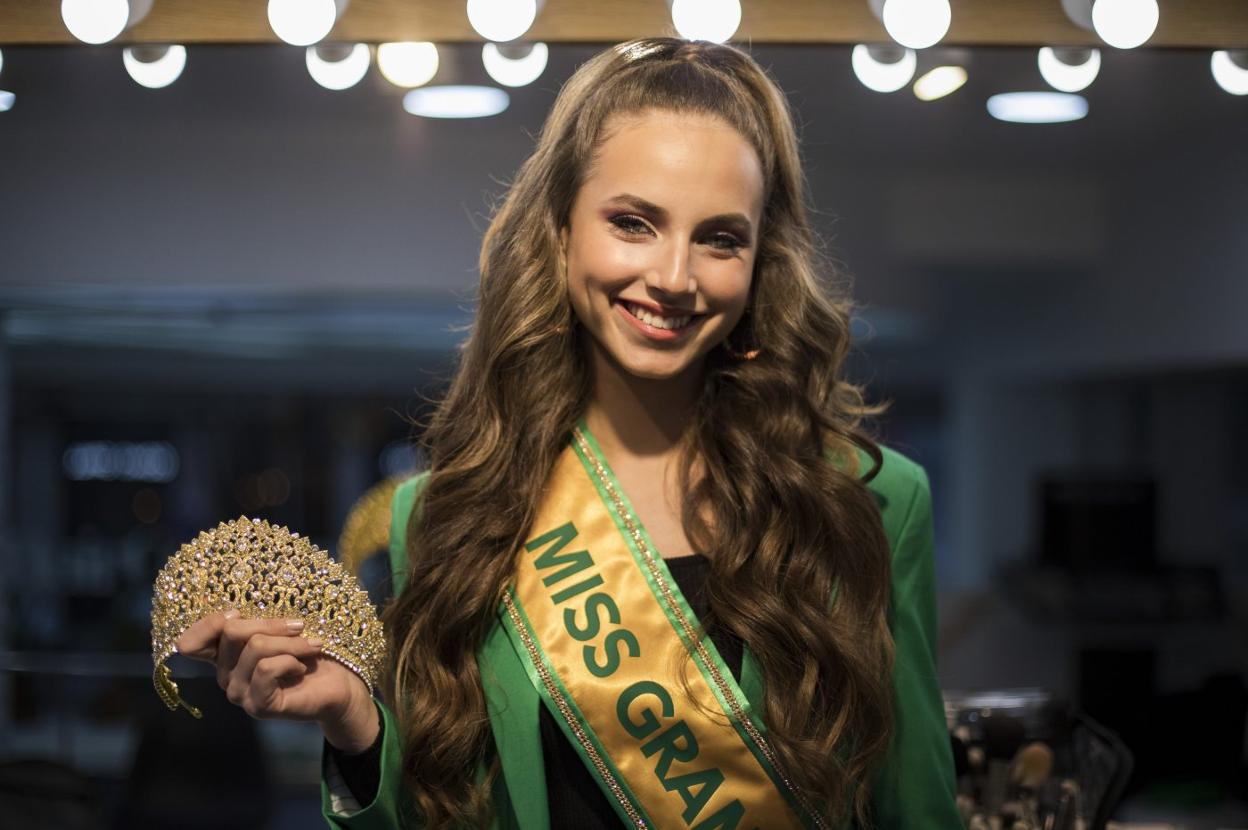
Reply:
x=657, y=326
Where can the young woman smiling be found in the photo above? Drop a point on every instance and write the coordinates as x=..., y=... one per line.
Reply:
x=658, y=574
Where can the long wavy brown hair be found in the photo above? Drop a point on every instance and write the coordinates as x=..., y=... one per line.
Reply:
x=785, y=526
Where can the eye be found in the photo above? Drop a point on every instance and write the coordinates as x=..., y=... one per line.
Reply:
x=629, y=224
x=726, y=242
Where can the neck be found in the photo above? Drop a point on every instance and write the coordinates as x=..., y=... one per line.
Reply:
x=640, y=417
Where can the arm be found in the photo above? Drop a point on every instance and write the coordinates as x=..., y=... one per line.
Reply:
x=915, y=786
x=390, y=808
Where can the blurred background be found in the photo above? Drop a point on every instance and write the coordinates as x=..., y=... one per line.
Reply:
x=232, y=270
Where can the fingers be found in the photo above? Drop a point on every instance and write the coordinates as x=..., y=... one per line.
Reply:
x=258, y=648
x=259, y=662
x=199, y=642
x=263, y=697
x=236, y=632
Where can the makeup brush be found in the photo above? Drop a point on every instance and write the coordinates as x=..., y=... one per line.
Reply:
x=1032, y=765
x=1029, y=771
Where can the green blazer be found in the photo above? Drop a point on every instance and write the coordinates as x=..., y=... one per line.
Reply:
x=914, y=788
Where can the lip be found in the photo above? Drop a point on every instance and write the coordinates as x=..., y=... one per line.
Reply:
x=660, y=309
x=653, y=333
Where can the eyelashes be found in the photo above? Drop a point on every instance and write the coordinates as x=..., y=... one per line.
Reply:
x=635, y=226
x=629, y=224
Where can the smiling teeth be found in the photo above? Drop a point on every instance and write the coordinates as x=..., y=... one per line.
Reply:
x=651, y=319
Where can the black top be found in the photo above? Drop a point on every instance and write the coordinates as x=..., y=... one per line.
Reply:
x=575, y=799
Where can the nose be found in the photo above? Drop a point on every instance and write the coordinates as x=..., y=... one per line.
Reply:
x=673, y=272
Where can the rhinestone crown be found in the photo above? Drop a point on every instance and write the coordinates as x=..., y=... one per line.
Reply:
x=265, y=572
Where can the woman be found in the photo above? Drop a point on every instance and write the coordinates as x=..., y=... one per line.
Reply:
x=648, y=440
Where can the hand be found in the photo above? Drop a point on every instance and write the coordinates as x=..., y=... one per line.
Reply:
x=268, y=669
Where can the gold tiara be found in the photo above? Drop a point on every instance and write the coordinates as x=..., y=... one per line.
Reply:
x=265, y=572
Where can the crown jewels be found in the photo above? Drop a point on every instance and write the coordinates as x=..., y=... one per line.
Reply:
x=265, y=572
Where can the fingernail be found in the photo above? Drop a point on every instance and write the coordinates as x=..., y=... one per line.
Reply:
x=315, y=642
x=231, y=614
x=294, y=625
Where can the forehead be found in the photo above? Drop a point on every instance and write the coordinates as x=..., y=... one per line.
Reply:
x=681, y=161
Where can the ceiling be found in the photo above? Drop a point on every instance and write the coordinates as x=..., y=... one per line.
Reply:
x=1184, y=23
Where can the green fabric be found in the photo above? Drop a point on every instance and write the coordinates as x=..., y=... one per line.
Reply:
x=916, y=786
x=913, y=789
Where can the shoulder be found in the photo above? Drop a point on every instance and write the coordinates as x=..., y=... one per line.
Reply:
x=901, y=489
x=900, y=476
x=407, y=491
x=405, y=499
x=405, y=496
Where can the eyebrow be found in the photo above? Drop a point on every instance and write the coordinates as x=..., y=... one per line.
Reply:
x=645, y=206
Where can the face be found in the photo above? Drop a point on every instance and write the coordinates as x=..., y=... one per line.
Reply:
x=661, y=241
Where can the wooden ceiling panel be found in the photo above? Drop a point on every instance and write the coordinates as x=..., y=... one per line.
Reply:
x=1184, y=23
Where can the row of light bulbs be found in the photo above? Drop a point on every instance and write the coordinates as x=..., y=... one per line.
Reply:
x=341, y=66
x=337, y=67
x=306, y=22
x=1067, y=69
x=919, y=24
x=913, y=25
x=1123, y=24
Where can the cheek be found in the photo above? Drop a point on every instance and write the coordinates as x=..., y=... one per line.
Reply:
x=601, y=268
x=585, y=285
x=727, y=285
x=607, y=259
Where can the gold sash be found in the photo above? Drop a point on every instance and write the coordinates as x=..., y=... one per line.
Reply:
x=607, y=634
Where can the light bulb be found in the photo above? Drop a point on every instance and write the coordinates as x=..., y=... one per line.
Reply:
x=1125, y=24
x=408, y=64
x=1230, y=75
x=519, y=70
x=338, y=66
x=881, y=75
x=154, y=67
x=501, y=20
x=713, y=20
x=939, y=82
x=302, y=22
x=1061, y=73
x=917, y=24
x=95, y=21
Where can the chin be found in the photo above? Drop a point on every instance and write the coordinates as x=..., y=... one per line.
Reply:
x=654, y=374
x=656, y=367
